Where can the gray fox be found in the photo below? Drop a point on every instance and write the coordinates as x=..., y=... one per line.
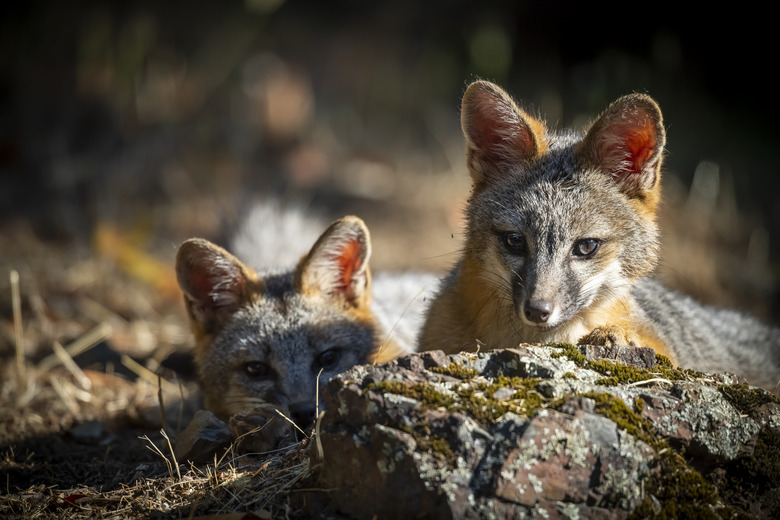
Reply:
x=561, y=239
x=266, y=338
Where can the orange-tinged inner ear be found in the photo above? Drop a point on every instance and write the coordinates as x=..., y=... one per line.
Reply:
x=349, y=261
x=641, y=146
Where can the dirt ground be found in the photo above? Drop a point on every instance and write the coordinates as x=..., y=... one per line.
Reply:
x=119, y=152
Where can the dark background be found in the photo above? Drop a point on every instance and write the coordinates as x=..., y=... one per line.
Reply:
x=167, y=119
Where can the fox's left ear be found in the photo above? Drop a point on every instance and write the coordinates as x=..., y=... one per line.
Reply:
x=499, y=135
x=215, y=283
x=337, y=265
x=627, y=142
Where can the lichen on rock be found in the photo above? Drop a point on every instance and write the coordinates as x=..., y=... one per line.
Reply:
x=551, y=431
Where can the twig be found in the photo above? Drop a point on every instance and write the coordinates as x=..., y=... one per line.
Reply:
x=80, y=345
x=292, y=422
x=71, y=365
x=16, y=302
x=160, y=402
x=180, y=420
x=317, y=440
x=157, y=450
x=317, y=393
x=175, y=462
x=647, y=381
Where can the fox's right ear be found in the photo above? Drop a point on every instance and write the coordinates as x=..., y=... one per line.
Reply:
x=337, y=266
x=498, y=134
x=214, y=282
x=627, y=142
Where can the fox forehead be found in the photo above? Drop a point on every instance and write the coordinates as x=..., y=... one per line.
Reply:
x=271, y=322
x=562, y=207
x=285, y=332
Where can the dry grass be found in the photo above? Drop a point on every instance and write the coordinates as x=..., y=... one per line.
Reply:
x=87, y=410
x=64, y=427
x=249, y=484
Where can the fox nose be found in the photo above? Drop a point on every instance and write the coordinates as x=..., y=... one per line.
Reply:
x=538, y=311
x=303, y=414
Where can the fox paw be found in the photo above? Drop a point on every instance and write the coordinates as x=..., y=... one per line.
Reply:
x=610, y=336
x=261, y=429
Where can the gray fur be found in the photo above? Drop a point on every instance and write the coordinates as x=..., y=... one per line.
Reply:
x=710, y=339
x=286, y=332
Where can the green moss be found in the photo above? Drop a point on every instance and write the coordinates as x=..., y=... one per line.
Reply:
x=619, y=373
x=480, y=402
x=663, y=362
x=766, y=457
x=758, y=474
x=476, y=399
x=677, y=490
x=680, y=491
x=434, y=444
x=569, y=351
x=765, y=462
x=616, y=410
x=569, y=375
x=745, y=398
x=456, y=370
x=423, y=392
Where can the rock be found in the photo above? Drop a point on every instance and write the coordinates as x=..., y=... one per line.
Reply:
x=205, y=436
x=88, y=432
x=555, y=432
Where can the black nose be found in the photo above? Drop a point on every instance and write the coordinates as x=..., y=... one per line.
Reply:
x=538, y=311
x=303, y=414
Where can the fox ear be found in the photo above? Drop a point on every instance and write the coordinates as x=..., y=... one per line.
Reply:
x=627, y=142
x=337, y=265
x=498, y=134
x=214, y=283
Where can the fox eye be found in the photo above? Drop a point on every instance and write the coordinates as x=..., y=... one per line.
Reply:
x=515, y=243
x=586, y=247
x=328, y=359
x=256, y=369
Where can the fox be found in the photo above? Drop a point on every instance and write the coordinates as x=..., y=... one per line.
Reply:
x=266, y=337
x=561, y=244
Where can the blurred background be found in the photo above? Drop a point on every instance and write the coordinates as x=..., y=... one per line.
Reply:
x=127, y=127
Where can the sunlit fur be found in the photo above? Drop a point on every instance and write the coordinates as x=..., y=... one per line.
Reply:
x=553, y=203
x=555, y=188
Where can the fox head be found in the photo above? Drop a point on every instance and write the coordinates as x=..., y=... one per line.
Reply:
x=268, y=339
x=559, y=223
